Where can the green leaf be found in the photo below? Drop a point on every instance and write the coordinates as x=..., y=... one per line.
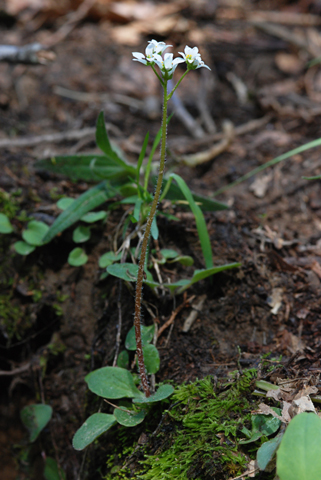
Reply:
x=81, y=234
x=202, y=274
x=267, y=451
x=263, y=425
x=92, y=217
x=267, y=424
x=206, y=204
x=154, y=229
x=90, y=167
x=299, y=454
x=34, y=235
x=5, y=225
x=168, y=254
x=138, y=204
x=89, y=200
x=93, y=427
x=147, y=336
x=163, y=392
x=64, y=203
x=52, y=471
x=316, y=177
x=253, y=438
x=151, y=359
x=108, y=258
x=270, y=163
x=112, y=382
x=185, y=260
x=123, y=359
x=77, y=257
x=23, y=248
x=35, y=417
x=125, y=271
x=200, y=221
x=129, y=419
x=103, y=143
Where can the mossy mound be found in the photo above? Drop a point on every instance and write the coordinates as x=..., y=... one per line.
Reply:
x=198, y=438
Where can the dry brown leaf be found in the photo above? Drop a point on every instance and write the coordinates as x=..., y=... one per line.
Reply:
x=289, y=63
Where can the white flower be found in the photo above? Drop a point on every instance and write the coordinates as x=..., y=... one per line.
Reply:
x=153, y=48
x=167, y=65
x=193, y=59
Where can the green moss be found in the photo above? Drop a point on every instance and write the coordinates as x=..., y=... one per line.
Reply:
x=200, y=438
x=8, y=204
x=10, y=316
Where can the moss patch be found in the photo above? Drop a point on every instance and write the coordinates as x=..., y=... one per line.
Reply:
x=199, y=439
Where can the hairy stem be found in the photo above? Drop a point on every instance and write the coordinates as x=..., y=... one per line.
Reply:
x=140, y=275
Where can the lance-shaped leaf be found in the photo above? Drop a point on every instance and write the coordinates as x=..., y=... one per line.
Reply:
x=89, y=200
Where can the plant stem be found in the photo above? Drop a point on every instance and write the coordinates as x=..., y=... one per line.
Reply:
x=140, y=275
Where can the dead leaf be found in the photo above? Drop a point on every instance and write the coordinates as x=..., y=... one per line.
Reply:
x=260, y=186
x=275, y=300
x=289, y=63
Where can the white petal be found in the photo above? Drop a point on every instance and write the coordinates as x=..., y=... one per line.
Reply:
x=168, y=61
x=138, y=55
x=178, y=60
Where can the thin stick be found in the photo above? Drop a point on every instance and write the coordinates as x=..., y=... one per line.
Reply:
x=174, y=314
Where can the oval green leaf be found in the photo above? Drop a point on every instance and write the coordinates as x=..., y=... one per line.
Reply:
x=94, y=426
x=23, y=248
x=35, y=233
x=52, y=471
x=163, y=392
x=35, y=417
x=77, y=257
x=151, y=358
x=108, y=258
x=112, y=382
x=147, y=336
x=299, y=455
x=81, y=234
x=92, y=217
x=129, y=419
x=64, y=203
x=5, y=225
x=125, y=271
x=123, y=359
x=267, y=451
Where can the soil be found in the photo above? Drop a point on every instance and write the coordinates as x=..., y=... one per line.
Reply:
x=61, y=322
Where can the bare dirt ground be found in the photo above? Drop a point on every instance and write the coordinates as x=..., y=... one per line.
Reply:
x=258, y=53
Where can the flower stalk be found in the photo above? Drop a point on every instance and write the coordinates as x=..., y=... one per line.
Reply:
x=167, y=67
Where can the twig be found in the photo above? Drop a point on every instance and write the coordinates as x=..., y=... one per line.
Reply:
x=30, y=54
x=287, y=35
x=71, y=23
x=52, y=137
x=185, y=117
x=248, y=472
x=240, y=130
x=101, y=97
x=207, y=84
x=174, y=314
x=116, y=406
x=197, y=307
x=202, y=157
x=286, y=18
x=15, y=371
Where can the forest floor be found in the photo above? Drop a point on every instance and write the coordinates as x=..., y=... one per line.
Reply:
x=58, y=321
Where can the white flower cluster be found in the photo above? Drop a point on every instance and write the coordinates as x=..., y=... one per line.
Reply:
x=167, y=65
